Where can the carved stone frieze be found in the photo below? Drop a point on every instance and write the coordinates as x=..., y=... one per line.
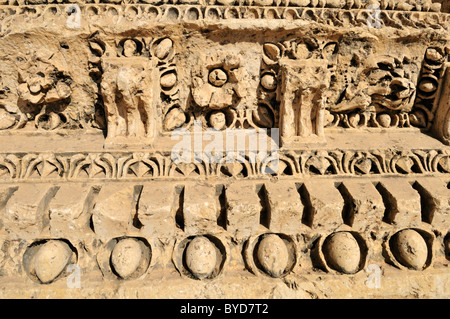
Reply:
x=144, y=166
x=224, y=148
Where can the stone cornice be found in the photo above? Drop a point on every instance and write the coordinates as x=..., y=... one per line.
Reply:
x=194, y=13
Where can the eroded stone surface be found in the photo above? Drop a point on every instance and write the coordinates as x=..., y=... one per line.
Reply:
x=243, y=209
x=200, y=209
x=342, y=252
x=364, y=204
x=114, y=210
x=51, y=259
x=201, y=257
x=25, y=213
x=410, y=249
x=326, y=204
x=70, y=210
x=157, y=210
x=285, y=207
x=402, y=201
x=126, y=257
x=273, y=255
x=436, y=202
x=96, y=97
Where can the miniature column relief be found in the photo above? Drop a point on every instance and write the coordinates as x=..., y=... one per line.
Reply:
x=301, y=109
x=128, y=88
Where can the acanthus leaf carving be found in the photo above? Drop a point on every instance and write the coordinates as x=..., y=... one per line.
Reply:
x=140, y=165
x=93, y=166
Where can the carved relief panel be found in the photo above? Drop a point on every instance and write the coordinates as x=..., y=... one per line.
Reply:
x=145, y=85
x=91, y=94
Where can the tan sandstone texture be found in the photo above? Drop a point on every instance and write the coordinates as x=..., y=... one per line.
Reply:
x=224, y=149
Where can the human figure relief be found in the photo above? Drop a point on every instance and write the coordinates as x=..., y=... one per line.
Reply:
x=127, y=90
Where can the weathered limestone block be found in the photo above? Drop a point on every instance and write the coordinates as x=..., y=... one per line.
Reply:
x=243, y=209
x=156, y=210
x=273, y=254
x=342, y=252
x=285, y=207
x=436, y=202
x=402, y=202
x=70, y=210
x=365, y=206
x=115, y=210
x=201, y=257
x=200, y=209
x=325, y=204
x=26, y=213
